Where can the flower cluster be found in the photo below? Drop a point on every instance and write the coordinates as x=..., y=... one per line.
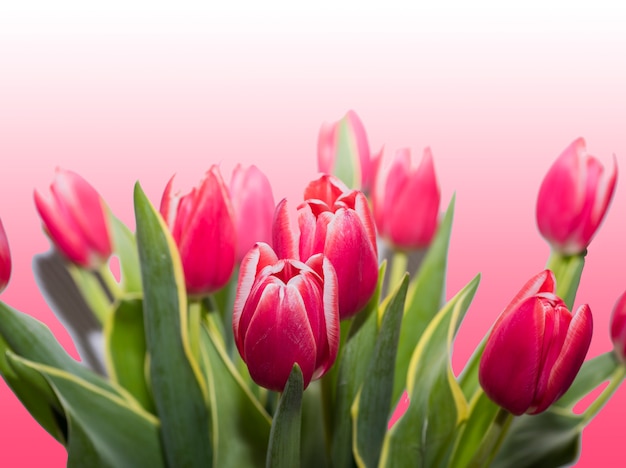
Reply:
x=224, y=302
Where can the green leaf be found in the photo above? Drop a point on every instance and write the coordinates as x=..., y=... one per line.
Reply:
x=370, y=412
x=469, y=376
x=126, y=350
x=425, y=434
x=31, y=339
x=351, y=368
x=103, y=429
x=180, y=396
x=125, y=247
x=284, y=445
x=91, y=290
x=36, y=396
x=482, y=414
x=424, y=299
x=241, y=425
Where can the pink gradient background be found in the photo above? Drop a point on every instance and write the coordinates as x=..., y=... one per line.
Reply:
x=127, y=95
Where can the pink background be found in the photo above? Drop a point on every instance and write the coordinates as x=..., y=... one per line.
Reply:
x=139, y=93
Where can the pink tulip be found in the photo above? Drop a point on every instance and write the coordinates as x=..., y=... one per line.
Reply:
x=343, y=150
x=573, y=199
x=202, y=225
x=285, y=312
x=5, y=259
x=406, y=201
x=337, y=222
x=618, y=327
x=253, y=206
x=535, y=349
x=75, y=217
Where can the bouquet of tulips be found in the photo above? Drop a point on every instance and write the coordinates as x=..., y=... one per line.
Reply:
x=238, y=332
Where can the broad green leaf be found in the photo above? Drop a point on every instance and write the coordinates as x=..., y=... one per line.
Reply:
x=424, y=300
x=350, y=369
x=370, y=411
x=180, y=396
x=36, y=396
x=425, y=434
x=125, y=247
x=32, y=340
x=552, y=438
x=284, y=443
x=125, y=341
x=103, y=429
x=241, y=427
x=312, y=442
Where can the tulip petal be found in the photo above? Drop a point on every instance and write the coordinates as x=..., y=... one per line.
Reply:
x=577, y=338
x=5, y=258
x=543, y=282
x=279, y=336
x=326, y=188
x=510, y=363
x=283, y=238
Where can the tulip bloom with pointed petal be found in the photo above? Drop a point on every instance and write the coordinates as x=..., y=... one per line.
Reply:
x=253, y=206
x=75, y=217
x=573, y=199
x=285, y=312
x=5, y=259
x=406, y=201
x=337, y=222
x=202, y=225
x=618, y=327
x=343, y=150
x=535, y=349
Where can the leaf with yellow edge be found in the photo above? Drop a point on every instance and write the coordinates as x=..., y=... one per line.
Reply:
x=425, y=434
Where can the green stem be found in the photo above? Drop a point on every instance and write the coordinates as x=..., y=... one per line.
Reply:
x=493, y=440
x=567, y=270
x=195, y=314
x=112, y=286
x=594, y=408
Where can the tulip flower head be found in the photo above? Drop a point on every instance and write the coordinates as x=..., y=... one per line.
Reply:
x=573, y=199
x=337, y=222
x=203, y=227
x=535, y=349
x=285, y=312
x=618, y=327
x=253, y=207
x=343, y=150
x=406, y=201
x=76, y=220
x=5, y=259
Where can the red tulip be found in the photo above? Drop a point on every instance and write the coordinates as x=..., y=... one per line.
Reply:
x=573, y=199
x=285, y=312
x=535, y=349
x=618, y=327
x=343, y=150
x=253, y=206
x=75, y=217
x=406, y=201
x=202, y=225
x=337, y=222
x=5, y=259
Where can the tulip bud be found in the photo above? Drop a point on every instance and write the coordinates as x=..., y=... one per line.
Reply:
x=75, y=217
x=618, y=327
x=535, y=349
x=337, y=222
x=343, y=150
x=285, y=312
x=406, y=201
x=5, y=259
x=574, y=198
x=253, y=207
x=202, y=225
